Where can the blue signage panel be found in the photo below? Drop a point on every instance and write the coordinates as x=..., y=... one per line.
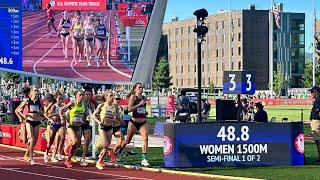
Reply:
x=239, y=82
x=11, y=34
x=233, y=144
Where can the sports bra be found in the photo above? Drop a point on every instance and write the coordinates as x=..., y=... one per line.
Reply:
x=77, y=29
x=107, y=112
x=66, y=23
x=34, y=107
x=101, y=30
x=77, y=113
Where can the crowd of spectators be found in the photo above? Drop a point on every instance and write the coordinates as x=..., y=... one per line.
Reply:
x=32, y=5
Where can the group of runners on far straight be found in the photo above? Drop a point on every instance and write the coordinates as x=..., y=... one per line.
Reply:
x=89, y=34
x=74, y=118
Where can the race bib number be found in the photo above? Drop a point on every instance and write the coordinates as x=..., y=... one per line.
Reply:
x=141, y=110
x=77, y=119
x=34, y=108
x=77, y=32
x=100, y=32
x=67, y=25
x=109, y=114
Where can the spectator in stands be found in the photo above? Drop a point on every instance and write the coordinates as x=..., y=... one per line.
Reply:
x=3, y=111
x=315, y=118
x=261, y=115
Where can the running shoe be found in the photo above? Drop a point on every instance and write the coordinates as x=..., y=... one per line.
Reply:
x=83, y=163
x=54, y=160
x=26, y=158
x=74, y=159
x=68, y=164
x=99, y=166
x=45, y=158
x=145, y=163
x=32, y=162
x=60, y=158
x=102, y=163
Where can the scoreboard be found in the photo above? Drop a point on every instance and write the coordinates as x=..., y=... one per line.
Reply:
x=233, y=144
x=11, y=34
x=239, y=82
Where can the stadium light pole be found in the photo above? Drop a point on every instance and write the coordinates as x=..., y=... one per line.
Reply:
x=201, y=31
x=314, y=45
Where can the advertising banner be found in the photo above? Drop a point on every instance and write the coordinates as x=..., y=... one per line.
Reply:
x=170, y=105
x=75, y=4
x=7, y=135
x=135, y=20
x=233, y=144
x=41, y=142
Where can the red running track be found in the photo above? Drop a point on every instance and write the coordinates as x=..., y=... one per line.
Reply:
x=43, y=55
x=13, y=167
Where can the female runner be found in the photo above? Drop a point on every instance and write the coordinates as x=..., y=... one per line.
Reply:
x=108, y=115
x=137, y=105
x=51, y=19
x=65, y=25
x=77, y=115
x=33, y=118
x=77, y=34
x=102, y=33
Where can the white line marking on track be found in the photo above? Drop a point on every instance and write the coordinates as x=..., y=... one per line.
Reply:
x=35, y=41
x=35, y=29
x=35, y=174
x=35, y=64
x=35, y=22
x=79, y=170
x=74, y=70
x=108, y=60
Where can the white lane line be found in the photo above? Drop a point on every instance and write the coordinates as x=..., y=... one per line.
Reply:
x=35, y=64
x=35, y=174
x=74, y=70
x=35, y=42
x=24, y=27
x=108, y=60
x=80, y=170
x=36, y=29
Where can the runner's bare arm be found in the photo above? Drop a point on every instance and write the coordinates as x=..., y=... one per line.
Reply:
x=98, y=110
x=16, y=111
x=131, y=107
x=21, y=107
x=63, y=109
x=60, y=24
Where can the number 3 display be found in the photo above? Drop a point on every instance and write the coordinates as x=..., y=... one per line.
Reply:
x=239, y=82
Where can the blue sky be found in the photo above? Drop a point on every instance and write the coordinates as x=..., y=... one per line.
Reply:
x=185, y=8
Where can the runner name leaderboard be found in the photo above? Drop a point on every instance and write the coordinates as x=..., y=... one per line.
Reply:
x=11, y=34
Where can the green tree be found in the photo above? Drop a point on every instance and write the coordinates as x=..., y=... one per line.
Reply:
x=307, y=75
x=12, y=77
x=279, y=81
x=211, y=87
x=161, y=77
